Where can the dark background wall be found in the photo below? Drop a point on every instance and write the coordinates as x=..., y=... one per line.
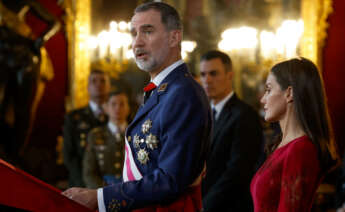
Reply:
x=40, y=154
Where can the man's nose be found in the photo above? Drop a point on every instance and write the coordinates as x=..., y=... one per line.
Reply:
x=138, y=41
x=207, y=78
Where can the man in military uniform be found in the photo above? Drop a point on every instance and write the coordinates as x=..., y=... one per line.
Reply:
x=168, y=140
x=104, y=155
x=79, y=122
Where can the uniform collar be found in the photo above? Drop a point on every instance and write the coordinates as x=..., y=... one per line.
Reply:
x=162, y=75
x=94, y=106
x=116, y=129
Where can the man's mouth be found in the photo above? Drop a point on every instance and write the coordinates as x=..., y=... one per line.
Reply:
x=140, y=54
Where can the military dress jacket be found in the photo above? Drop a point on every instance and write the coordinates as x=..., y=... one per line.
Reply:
x=169, y=139
x=103, y=156
x=77, y=125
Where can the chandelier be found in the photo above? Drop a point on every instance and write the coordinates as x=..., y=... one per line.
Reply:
x=111, y=49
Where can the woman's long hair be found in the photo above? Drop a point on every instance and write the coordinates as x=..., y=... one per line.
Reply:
x=310, y=106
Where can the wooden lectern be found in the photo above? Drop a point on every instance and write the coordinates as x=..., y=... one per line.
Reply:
x=24, y=192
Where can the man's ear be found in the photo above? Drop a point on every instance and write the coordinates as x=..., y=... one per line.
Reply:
x=175, y=38
x=230, y=75
x=289, y=94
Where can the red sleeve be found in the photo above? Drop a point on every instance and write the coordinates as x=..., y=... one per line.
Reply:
x=300, y=177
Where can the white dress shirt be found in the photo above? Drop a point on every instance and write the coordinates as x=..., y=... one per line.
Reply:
x=219, y=106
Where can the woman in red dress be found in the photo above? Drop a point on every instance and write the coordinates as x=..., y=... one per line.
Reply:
x=305, y=151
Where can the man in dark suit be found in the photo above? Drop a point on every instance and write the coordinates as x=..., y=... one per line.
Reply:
x=168, y=140
x=79, y=122
x=236, y=142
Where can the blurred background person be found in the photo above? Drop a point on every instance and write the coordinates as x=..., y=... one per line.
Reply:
x=104, y=155
x=79, y=122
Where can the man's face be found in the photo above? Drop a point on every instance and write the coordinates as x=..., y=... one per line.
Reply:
x=117, y=107
x=215, y=80
x=150, y=41
x=99, y=85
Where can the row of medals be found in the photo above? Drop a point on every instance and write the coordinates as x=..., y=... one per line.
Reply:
x=150, y=142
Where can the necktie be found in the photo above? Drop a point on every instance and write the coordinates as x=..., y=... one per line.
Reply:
x=148, y=90
x=214, y=113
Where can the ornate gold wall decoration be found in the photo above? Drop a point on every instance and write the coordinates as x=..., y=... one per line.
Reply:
x=315, y=14
x=78, y=29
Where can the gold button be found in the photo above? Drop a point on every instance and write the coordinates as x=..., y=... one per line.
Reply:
x=100, y=156
x=82, y=143
x=82, y=135
x=117, y=165
x=117, y=154
x=129, y=138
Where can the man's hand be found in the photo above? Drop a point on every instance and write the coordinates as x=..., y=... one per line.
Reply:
x=84, y=196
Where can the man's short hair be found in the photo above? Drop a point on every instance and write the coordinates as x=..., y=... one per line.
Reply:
x=118, y=92
x=213, y=54
x=169, y=16
x=99, y=71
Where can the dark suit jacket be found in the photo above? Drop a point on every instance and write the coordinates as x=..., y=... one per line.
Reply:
x=77, y=125
x=237, y=143
x=181, y=121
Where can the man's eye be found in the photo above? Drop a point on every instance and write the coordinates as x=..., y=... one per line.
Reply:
x=148, y=32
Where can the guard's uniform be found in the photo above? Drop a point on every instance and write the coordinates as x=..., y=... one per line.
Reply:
x=103, y=157
x=77, y=125
x=166, y=147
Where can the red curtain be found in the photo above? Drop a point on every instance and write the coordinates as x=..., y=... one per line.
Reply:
x=334, y=70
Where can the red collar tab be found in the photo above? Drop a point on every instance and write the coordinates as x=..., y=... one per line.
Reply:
x=150, y=87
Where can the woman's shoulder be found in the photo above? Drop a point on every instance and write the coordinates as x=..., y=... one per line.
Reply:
x=302, y=150
x=302, y=144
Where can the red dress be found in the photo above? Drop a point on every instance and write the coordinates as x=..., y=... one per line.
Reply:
x=288, y=180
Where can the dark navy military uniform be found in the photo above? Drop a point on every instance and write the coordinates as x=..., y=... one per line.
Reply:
x=77, y=125
x=169, y=140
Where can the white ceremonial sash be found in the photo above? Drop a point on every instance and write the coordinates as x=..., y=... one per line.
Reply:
x=130, y=169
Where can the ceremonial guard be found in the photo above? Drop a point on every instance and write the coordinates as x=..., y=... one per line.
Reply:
x=104, y=155
x=78, y=124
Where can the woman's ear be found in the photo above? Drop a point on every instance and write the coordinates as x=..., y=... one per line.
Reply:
x=289, y=94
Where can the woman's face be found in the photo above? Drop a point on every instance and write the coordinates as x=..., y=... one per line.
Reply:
x=274, y=100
